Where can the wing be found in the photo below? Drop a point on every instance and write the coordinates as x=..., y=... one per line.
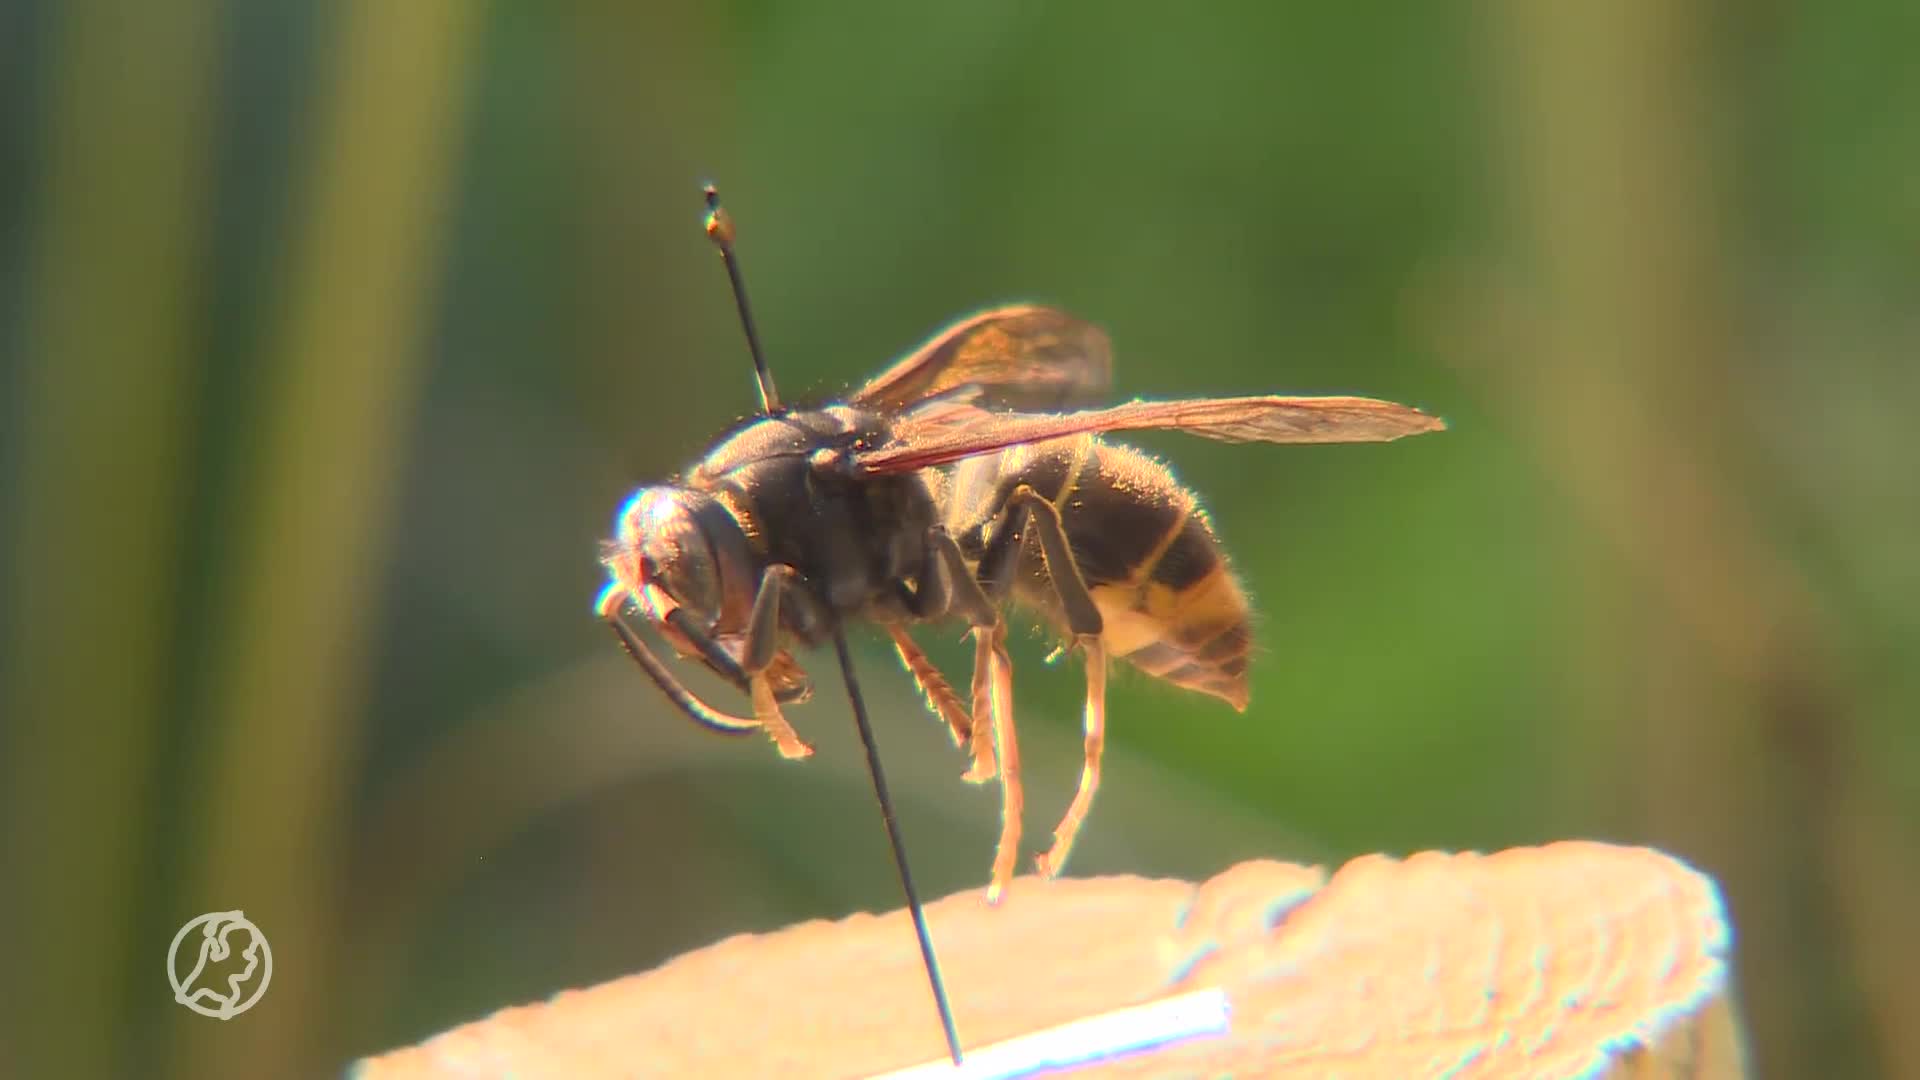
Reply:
x=943, y=434
x=1019, y=357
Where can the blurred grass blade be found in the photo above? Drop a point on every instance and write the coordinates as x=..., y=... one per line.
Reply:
x=346, y=359
x=106, y=422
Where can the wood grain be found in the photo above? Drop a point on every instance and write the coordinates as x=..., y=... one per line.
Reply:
x=1574, y=959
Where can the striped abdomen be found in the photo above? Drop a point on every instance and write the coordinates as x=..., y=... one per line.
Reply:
x=1170, y=604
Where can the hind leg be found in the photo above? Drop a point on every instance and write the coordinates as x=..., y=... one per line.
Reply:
x=1026, y=506
x=1096, y=740
x=993, y=696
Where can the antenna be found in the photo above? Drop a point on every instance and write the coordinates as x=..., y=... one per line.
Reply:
x=720, y=230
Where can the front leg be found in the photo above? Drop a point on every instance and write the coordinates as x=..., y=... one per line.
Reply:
x=756, y=656
x=681, y=628
x=761, y=650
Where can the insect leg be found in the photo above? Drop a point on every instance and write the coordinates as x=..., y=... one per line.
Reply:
x=967, y=597
x=1096, y=738
x=688, y=702
x=756, y=655
x=990, y=661
x=680, y=625
x=1084, y=621
x=940, y=694
x=993, y=695
x=932, y=595
x=1027, y=505
x=996, y=748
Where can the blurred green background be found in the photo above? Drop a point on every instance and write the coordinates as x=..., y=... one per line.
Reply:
x=333, y=334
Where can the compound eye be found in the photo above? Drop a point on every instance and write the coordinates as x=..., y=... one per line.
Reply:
x=676, y=558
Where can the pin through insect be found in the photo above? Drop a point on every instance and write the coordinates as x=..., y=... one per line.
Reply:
x=972, y=477
x=719, y=226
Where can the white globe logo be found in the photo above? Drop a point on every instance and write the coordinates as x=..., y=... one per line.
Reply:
x=212, y=944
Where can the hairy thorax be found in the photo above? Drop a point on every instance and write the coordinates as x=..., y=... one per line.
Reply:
x=789, y=481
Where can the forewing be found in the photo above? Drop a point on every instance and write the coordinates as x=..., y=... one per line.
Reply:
x=939, y=436
x=1019, y=357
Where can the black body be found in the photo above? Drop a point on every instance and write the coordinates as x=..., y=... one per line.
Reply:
x=859, y=542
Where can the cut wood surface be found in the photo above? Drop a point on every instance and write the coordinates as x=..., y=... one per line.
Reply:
x=1574, y=959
